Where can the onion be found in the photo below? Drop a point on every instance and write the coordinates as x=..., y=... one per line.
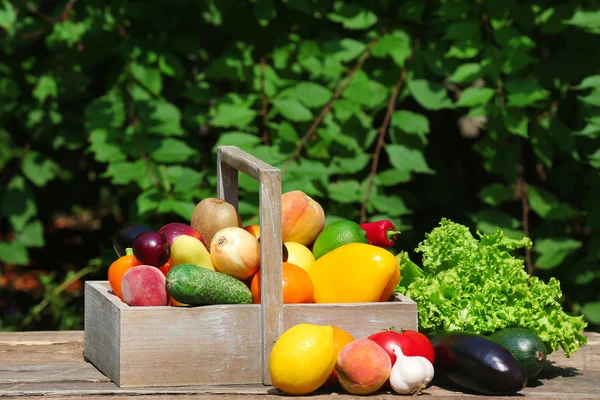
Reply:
x=236, y=252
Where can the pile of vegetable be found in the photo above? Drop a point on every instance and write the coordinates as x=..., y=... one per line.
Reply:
x=477, y=285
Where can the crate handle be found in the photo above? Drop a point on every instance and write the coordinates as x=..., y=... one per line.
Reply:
x=230, y=160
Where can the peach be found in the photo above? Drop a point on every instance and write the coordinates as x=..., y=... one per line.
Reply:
x=253, y=229
x=363, y=367
x=303, y=218
x=144, y=285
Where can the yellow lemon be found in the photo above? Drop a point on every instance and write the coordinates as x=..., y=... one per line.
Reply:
x=300, y=255
x=302, y=358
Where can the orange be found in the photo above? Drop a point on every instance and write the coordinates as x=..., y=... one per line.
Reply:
x=297, y=285
x=341, y=338
x=117, y=269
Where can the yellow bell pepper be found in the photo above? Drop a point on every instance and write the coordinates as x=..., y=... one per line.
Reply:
x=354, y=272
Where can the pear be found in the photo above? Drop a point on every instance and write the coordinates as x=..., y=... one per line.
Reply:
x=190, y=250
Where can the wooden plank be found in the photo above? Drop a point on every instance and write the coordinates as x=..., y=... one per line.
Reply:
x=227, y=179
x=230, y=160
x=50, y=372
x=271, y=262
x=359, y=319
x=244, y=162
x=102, y=321
x=185, y=346
x=40, y=337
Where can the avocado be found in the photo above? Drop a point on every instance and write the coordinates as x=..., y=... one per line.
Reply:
x=526, y=346
x=197, y=286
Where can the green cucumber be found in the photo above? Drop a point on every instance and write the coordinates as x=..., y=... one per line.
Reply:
x=526, y=346
x=196, y=286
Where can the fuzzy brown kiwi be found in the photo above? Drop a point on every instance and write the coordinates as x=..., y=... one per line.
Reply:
x=212, y=214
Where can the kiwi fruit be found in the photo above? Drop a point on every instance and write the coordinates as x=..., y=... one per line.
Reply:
x=212, y=214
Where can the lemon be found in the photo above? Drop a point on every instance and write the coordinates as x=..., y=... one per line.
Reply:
x=337, y=234
x=303, y=358
x=299, y=254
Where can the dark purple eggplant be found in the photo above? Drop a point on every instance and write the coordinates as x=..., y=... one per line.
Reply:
x=125, y=237
x=476, y=363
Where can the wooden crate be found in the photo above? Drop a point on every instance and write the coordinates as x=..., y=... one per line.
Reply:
x=220, y=344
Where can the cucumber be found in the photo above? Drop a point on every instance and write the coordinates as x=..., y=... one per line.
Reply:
x=526, y=346
x=197, y=286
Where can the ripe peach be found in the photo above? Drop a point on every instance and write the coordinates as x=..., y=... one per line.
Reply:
x=144, y=285
x=362, y=367
x=303, y=218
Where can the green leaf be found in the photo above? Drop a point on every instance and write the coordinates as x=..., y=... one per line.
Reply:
x=547, y=206
x=46, y=87
x=588, y=21
x=265, y=12
x=183, y=208
x=124, y=173
x=475, y=96
x=405, y=159
x=410, y=122
x=463, y=50
x=13, y=253
x=592, y=99
x=488, y=221
x=311, y=94
x=554, y=251
x=430, y=95
x=31, y=235
x=496, y=194
x=466, y=73
x=524, y=92
x=160, y=117
x=239, y=139
x=516, y=122
x=170, y=150
x=344, y=50
x=287, y=132
x=365, y=91
x=395, y=44
x=148, y=201
x=591, y=82
x=185, y=180
x=237, y=115
x=595, y=159
x=350, y=165
x=392, y=177
x=464, y=30
x=292, y=110
x=18, y=203
x=591, y=311
x=105, y=146
x=352, y=16
x=389, y=204
x=38, y=169
x=344, y=191
x=148, y=77
x=170, y=65
x=8, y=16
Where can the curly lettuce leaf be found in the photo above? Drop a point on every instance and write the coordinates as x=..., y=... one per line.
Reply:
x=478, y=286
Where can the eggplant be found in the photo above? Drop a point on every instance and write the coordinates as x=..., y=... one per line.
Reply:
x=125, y=237
x=476, y=363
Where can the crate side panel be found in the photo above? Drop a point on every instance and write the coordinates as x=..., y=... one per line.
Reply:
x=102, y=331
x=191, y=346
x=359, y=319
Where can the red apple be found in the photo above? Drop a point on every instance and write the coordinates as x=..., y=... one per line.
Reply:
x=173, y=230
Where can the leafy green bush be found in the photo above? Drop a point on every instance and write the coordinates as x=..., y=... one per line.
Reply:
x=485, y=112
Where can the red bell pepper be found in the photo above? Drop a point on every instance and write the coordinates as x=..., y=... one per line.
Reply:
x=381, y=233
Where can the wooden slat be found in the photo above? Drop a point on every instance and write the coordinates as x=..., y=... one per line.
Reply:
x=271, y=261
x=102, y=322
x=230, y=160
x=50, y=372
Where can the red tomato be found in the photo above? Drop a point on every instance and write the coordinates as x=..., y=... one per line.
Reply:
x=412, y=343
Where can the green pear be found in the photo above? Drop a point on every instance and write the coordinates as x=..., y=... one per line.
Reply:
x=189, y=250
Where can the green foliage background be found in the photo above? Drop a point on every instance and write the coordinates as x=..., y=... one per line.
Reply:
x=486, y=112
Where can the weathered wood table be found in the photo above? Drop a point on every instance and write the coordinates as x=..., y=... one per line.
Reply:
x=51, y=364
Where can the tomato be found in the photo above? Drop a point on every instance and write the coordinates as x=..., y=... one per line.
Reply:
x=411, y=342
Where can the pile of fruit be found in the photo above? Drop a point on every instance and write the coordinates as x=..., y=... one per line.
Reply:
x=215, y=259
x=309, y=357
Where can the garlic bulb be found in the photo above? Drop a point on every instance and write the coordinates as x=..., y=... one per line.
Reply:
x=410, y=375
